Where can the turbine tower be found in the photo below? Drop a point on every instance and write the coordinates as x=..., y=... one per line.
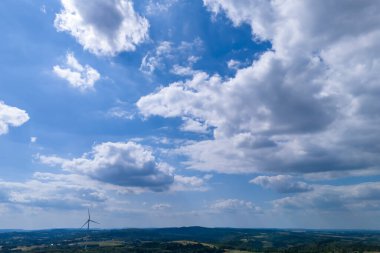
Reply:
x=89, y=221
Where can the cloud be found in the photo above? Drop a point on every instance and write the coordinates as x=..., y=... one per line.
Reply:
x=186, y=98
x=167, y=54
x=78, y=76
x=120, y=163
x=183, y=71
x=46, y=190
x=307, y=105
x=193, y=125
x=190, y=183
x=234, y=205
x=234, y=64
x=102, y=177
x=153, y=60
x=11, y=116
x=281, y=184
x=329, y=198
x=120, y=113
x=157, y=8
x=161, y=206
x=104, y=27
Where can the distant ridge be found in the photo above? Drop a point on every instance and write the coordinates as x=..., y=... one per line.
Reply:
x=11, y=230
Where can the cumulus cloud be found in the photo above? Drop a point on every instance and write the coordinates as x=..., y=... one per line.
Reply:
x=11, y=116
x=119, y=163
x=79, y=76
x=307, y=105
x=104, y=27
x=102, y=177
x=281, y=184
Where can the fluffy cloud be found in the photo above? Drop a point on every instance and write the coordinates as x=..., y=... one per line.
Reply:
x=122, y=163
x=305, y=106
x=102, y=177
x=104, y=27
x=11, y=116
x=78, y=76
x=282, y=184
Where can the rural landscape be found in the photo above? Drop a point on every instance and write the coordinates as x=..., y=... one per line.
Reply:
x=190, y=239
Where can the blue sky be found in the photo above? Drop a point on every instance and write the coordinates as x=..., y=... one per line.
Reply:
x=241, y=113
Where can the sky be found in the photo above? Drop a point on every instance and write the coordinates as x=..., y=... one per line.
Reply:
x=163, y=113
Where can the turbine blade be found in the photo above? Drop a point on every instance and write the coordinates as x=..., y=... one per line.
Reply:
x=94, y=221
x=84, y=224
x=88, y=210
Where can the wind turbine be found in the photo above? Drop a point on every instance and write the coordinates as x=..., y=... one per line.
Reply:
x=89, y=221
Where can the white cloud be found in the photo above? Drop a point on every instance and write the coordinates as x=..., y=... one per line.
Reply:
x=329, y=198
x=11, y=116
x=282, y=184
x=104, y=27
x=308, y=105
x=120, y=163
x=161, y=206
x=233, y=64
x=179, y=99
x=234, y=205
x=154, y=59
x=190, y=183
x=183, y=71
x=78, y=76
x=167, y=54
x=120, y=112
x=158, y=7
x=102, y=177
x=33, y=139
x=46, y=190
x=193, y=125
